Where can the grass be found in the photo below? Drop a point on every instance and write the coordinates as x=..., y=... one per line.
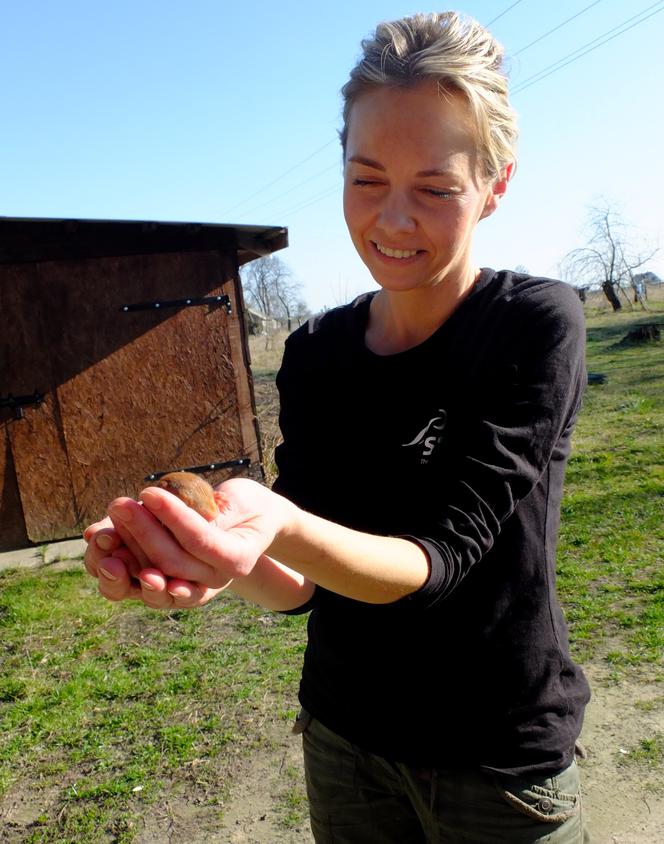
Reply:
x=112, y=709
x=649, y=752
x=110, y=703
x=293, y=800
x=610, y=573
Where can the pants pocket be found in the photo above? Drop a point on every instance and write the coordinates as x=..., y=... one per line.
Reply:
x=548, y=799
x=301, y=722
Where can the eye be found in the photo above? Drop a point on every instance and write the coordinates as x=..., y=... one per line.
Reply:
x=363, y=182
x=439, y=194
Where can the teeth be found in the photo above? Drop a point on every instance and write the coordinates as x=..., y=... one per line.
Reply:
x=396, y=253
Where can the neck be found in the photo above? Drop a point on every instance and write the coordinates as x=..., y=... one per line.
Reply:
x=401, y=320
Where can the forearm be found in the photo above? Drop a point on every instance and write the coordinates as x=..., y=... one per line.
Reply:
x=374, y=569
x=254, y=522
x=274, y=586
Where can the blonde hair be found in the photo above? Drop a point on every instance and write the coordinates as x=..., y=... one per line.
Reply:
x=458, y=53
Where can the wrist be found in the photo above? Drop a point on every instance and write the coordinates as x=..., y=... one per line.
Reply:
x=289, y=528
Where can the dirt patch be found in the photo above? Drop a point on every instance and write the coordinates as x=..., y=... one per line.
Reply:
x=21, y=807
x=623, y=799
x=269, y=802
x=266, y=805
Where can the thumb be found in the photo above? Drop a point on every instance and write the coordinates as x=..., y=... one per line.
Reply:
x=224, y=518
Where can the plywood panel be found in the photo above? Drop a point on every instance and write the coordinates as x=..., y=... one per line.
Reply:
x=42, y=471
x=165, y=399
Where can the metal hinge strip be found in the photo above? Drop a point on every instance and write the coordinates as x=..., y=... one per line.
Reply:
x=192, y=301
x=208, y=467
x=17, y=403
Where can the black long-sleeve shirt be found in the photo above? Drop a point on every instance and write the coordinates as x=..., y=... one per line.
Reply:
x=459, y=444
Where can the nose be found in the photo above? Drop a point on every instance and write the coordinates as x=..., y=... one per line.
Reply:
x=395, y=216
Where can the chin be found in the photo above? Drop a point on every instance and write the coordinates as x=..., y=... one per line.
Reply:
x=403, y=282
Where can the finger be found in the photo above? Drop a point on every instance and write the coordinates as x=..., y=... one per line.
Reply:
x=115, y=584
x=154, y=589
x=159, y=545
x=106, y=542
x=92, y=529
x=163, y=593
x=229, y=554
x=186, y=594
x=102, y=543
x=108, y=537
x=127, y=537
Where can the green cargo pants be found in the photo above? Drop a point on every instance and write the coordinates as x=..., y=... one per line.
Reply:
x=356, y=797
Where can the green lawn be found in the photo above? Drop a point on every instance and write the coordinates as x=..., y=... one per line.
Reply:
x=116, y=705
x=611, y=554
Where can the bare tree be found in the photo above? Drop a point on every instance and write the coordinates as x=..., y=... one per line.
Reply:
x=290, y=304
x=269, y=287
x=609, y=259
x=259, y=279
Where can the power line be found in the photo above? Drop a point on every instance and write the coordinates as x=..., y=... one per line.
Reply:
x=283, y=175
x=555, y=29
x=310, y=201
x=582, y=51
x=487, y=25
x=290, y=190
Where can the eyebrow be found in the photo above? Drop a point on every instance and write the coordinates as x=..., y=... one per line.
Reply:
x=376, y=165
x=368, y=162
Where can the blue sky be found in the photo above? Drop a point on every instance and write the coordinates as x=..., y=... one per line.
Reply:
x=212, y=111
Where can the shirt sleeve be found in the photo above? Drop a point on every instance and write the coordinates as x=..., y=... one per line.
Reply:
x=291, y=461
x=296, y=453
x=503, y=442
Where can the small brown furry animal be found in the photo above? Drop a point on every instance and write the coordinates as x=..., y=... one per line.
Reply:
x=193, y=490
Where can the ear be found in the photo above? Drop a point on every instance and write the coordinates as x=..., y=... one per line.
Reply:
x=497, y=191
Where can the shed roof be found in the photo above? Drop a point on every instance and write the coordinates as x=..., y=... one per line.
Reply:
x=27, y=239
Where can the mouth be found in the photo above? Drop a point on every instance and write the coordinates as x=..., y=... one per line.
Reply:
x=395, y=253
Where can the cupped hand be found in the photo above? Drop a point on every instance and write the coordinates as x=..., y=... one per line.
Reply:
x=123, y=573
x=182, y=544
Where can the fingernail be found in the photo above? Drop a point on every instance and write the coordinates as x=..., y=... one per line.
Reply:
x=119, y=514
x=107, y=574
x=153, y=501
x=147, y=586
x=104, y=542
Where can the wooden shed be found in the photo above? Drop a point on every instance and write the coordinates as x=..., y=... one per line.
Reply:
x=123, y=355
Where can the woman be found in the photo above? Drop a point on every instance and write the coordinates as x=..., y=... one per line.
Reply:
x=426, y=429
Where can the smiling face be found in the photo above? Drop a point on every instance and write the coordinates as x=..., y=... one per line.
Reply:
x=413, y=186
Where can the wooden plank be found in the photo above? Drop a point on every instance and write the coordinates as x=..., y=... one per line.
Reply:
x=42, y=471
x=12, y=523
x=239, y=346
x=38, y=459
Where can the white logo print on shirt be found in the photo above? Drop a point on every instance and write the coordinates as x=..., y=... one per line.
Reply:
x=430, y=435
